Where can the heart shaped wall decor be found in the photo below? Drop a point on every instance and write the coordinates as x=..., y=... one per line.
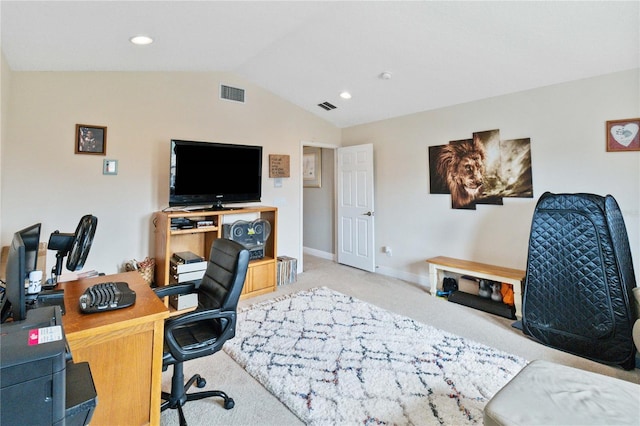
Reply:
x=624, y=135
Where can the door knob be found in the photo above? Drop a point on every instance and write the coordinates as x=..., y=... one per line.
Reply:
x=367, y=214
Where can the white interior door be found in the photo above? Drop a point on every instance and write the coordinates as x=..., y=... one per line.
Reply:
x=355, y=211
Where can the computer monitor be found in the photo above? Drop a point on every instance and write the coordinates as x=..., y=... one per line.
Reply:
x=21, y=260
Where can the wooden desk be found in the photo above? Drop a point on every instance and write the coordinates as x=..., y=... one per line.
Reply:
x=123, y=348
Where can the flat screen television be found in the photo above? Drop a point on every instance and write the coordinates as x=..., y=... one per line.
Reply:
x=212, y=174
x=21, y=260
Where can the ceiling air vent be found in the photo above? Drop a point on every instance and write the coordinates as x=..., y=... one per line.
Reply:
x=231, y=93
x=327, y=106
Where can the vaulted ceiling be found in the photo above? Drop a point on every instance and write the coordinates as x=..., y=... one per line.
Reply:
x=437, y=53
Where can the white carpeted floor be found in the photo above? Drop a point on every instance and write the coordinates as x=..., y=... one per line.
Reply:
x=255, y=405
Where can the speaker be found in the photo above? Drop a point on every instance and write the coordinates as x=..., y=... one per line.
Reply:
x=247, y=233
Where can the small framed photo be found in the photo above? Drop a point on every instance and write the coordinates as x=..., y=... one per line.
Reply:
x=91, y=139
x=312, y=167
x=623, y=135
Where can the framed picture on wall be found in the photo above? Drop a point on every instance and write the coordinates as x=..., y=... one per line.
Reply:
x=623, y=135
x=91, y=139
x=312, y=167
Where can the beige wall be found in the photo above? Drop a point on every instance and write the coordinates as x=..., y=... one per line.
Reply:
x=44, y=181
x=5, y=85
x=319, y=212
x=566, y=124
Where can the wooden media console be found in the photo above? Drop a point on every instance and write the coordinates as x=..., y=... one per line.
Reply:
x=261, y=276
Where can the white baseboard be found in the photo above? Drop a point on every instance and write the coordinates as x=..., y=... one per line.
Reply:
x=319, y=253
x=422, y=281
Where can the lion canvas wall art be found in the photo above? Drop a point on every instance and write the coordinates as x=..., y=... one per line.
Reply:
x=481, y=170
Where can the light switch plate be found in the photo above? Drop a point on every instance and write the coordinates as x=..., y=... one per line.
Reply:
x=110, y=167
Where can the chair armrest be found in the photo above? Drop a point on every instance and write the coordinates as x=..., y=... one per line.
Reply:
x=197, y=316
x=179, y=353
x=171, y=289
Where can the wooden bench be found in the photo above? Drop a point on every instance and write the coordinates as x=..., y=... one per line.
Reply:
x=439, y=265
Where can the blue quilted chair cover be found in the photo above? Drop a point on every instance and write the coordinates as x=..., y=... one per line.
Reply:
x=579, y=279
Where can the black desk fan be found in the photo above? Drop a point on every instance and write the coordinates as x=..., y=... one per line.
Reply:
x=76, y=246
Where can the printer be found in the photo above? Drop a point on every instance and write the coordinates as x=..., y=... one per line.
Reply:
x=40, y=383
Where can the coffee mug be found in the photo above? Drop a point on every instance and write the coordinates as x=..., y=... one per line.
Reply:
x=35, y=282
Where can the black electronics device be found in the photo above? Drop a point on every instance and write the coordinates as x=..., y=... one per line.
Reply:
x=40, y=383
x=183, y=257
x=182, y=223
x=213, y=174
x=107, y=296
x=21, y=259
x=252, y=235
x=33, y=375
x=247, y=233
x=256, y=253
x=47, y=298
x=81, y=395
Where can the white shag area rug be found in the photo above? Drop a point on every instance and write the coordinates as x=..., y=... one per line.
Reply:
x=333, y=359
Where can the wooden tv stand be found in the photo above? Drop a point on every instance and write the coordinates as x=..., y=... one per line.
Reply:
x=438, y=265
x=261, y=276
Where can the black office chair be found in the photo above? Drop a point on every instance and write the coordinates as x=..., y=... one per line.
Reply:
x=203, y=332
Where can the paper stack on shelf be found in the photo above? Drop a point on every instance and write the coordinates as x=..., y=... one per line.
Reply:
x=287, y=270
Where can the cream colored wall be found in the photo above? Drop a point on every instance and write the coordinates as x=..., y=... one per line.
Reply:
x=5, y=86
x=44, y=181
x=319, y=212
x=566, y=124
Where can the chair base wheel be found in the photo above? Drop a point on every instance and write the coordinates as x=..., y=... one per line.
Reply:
x=229, y=404
x=179, y=395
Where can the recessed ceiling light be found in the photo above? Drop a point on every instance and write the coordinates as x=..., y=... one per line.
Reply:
x=141, y=40
x=345, y=95
x=385, y=75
